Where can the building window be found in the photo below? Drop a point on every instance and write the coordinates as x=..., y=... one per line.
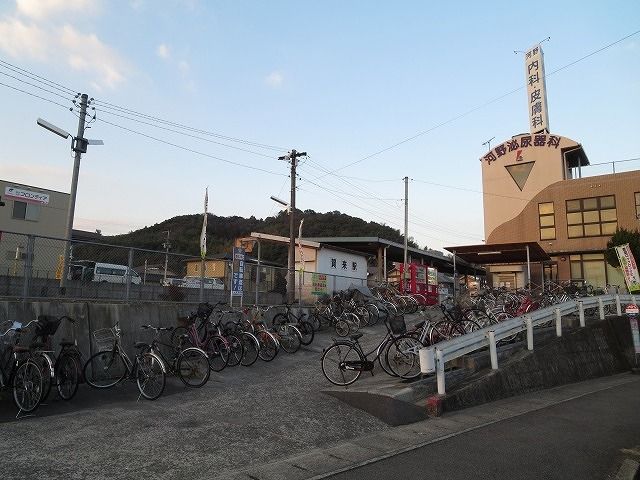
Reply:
x=547, y=221
x=590, y=267
x=591, y=217
x=638, y=205
x=26, y=211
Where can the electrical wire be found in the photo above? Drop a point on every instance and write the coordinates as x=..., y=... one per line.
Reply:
x=191, y=150
x=34, y=95
x=474, y=109
x=33, y=76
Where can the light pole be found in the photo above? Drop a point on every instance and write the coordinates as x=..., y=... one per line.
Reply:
x=79, y=146
x=166, y=245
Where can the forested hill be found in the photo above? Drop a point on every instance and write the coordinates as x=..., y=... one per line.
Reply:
x=221, y=231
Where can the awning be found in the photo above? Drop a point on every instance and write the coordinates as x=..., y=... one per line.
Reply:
x=500, y=253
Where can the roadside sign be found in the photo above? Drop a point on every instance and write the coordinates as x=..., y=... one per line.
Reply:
x=632, y=310
x=632, y=313
x=237, y=281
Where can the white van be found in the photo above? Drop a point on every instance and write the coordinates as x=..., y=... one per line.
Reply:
x=86, y=270
x=209, y=283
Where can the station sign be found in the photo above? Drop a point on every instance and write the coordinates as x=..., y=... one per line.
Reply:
x=28, y=196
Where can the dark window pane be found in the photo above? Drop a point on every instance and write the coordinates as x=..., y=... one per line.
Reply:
x=590, y=204
x=19, y=210
x=608, y=202
x=573, y=205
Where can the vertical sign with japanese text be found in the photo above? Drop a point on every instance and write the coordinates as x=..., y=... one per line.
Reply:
x=237, y=282
x=629, y=267
x=318, y=284
x=536, y=90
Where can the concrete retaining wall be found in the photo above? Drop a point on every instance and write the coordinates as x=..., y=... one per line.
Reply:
x=604, y=348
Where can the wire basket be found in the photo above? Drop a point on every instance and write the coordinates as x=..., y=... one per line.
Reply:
x=105, y=339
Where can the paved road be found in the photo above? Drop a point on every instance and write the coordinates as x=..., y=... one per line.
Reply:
x=577, y=439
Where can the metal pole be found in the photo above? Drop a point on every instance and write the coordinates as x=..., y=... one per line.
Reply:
x=258, y=274
x=581, y=313
x=528, y=268
x=202, y=267
x=166, y=256
x=385, y=264
x=144, y=278
x=406, y=232
x=74, y=190
x=301, y=275
x=127, y=291
x=529, y=333
x=558, y=323
x=28, y=268
x=492, y=350
x=231, y=283
x=440, y=372
x=455, y=280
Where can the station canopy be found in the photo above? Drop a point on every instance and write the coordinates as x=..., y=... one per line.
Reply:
x=500, y=253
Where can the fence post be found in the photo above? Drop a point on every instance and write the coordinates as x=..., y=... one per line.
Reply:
x=581, y=312
x=28, y=268
x=558, y=323
x=127, y=290
x=492, y=350
x=618, y=305
x=440, y=371
x=601, y=308
x=633, y=300
x=529, y=323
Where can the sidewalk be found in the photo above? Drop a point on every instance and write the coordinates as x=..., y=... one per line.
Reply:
x=366, y=449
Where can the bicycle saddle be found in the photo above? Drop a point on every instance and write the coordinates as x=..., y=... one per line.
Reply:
x=140, y=345
x=356, y=336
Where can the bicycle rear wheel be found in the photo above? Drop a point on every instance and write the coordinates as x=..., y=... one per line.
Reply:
x=290, y=339
x=268, y=346
x=338, y=362
x=27, y=386
x=306, y=330
x=67, y=376
x=236, y=350
x=105, y=369
x=192, y=367
x=48, y=375
x=150, y=376
x=403, y=357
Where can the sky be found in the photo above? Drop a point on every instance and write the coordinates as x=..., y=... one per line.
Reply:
x=191, y=94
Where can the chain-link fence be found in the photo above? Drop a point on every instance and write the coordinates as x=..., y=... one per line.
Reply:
x=31, y=267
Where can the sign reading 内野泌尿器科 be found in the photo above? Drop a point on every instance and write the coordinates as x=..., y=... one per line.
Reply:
x=15, y=193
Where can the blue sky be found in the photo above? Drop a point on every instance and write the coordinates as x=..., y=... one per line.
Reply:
x=340, y=80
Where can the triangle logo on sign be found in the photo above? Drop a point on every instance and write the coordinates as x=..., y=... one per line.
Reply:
x=520, y=173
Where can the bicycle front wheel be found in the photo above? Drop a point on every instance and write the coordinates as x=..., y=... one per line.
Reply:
x=251, y=347
x=307, y=332
x=67, y=376
x=150, y=376
x=192, y=367
x=403, y=357
x=105, y=369
x=27, y=386
x=217, y=350
x=341, y=363
x=236, y=350
x=290, y=339
x=268, y=346
x=48, y=375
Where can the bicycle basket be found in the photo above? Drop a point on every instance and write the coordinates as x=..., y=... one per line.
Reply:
x=47, y=325
x=397, y=325
x=105, y=339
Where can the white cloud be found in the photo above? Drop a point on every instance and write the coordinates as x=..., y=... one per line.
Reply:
x=163, y=51
x=41, y=9
x=184, y=67
x=274, y=79
x=18, y=39
x=87, y=53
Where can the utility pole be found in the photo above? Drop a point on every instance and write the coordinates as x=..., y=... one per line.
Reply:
x=293, y=158
x=166, y=245
x=79, y=145
x=406, y=232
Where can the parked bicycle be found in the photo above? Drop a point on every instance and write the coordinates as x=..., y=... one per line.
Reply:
x=18, y=370
x=111, y=365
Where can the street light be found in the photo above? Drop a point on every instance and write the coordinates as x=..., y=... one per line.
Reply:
x=79, y=146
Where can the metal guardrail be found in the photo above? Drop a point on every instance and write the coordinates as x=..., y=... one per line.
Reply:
x=433, y=359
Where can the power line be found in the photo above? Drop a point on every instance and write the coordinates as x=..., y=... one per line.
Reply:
x=34, y=95
x=185, y=134
x=36, y=86
x=191, y=150
x=128, y=111
x=472, y=110
x=39, y=78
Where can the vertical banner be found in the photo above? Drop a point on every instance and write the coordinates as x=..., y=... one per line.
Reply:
x=536, y=90
x=237, y=281
x=629, y=267
x=203, y=234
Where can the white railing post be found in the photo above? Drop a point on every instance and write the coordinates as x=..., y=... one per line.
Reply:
x=440, y=371
x=492, y=350
x=581, y=312
x=618, y=305
x=529, y=332
x=558, y=323
x=601, y=308
x=633, y=300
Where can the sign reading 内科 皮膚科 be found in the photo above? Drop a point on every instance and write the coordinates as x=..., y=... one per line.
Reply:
x=28, y=196
x=536, y=90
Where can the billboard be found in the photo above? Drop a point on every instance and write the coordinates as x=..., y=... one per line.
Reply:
x=536, y=90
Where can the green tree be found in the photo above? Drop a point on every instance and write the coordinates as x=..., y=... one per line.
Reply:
x=622, y=236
